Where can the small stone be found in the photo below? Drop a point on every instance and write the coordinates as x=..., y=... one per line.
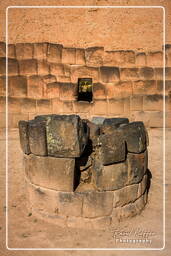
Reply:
x=24, y=137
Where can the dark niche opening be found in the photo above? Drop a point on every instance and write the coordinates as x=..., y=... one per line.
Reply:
x=85, y=89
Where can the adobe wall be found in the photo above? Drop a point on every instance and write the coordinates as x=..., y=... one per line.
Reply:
x=43, y=78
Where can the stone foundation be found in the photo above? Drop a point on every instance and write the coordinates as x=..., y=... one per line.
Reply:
x=82, y=173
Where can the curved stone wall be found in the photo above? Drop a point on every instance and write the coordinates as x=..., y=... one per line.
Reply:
x=85, y=174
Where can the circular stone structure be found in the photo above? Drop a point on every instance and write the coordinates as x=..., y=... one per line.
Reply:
x=82, y=173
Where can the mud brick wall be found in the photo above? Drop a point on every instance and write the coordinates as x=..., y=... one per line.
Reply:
x=43, y=78
x=85, y=174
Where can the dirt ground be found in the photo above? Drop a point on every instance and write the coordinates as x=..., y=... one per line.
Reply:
x=27, y=231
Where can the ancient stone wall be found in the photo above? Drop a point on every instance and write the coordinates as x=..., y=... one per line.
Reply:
x=43, y=78
x=85, y=174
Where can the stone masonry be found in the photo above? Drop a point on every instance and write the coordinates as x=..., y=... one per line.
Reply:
x=82, y=173
x=43, y=79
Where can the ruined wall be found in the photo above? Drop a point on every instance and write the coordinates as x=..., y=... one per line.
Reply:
x=43, y=78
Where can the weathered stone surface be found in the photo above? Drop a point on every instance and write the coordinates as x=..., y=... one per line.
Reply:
x=94, y=56
x=80, y=56
x=119, y=58
x=50, y=172
x=12, y=66
x=78, y=71
x=135, y=136
x=24, y=51
x=109, y=177
x=35, y=86
x=85, y=187
x=129, y=73
x=11, y=51
x=141, y=59
x=137, y=166
x=24, y=137
x=28, y=67
x=97, y=204
x=17, y=86
x=98, y=120
x=109, y=74
x=54, y=53
x=142, y=186
x=66, y=135
x=111, y=124
x=2, y=86
x=125, y=195
x=57, y=69
x=43, y=106
x=2, y=49
x=37, y=138
x=40, y=50
x=43, y=67
x=70, y=204
x=69, y=55
x=147, y=73
x=112, y=148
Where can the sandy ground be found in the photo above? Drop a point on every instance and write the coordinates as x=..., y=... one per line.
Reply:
x=29, y=232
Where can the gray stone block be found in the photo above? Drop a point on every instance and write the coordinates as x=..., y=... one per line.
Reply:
x=111, y=124
x=24, y=137
x=50, y=172
x=37, y=137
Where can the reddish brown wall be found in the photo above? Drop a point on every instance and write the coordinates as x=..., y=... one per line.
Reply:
x=43, y=79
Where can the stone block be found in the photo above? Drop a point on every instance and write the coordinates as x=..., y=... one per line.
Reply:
x=24, y=137
x=69, y=55
x=168, y=73
x=129, y=73
x=14, y=118
x=144, y=87
x=155, y=59
x=52, y=90
x=112, y=148
x=100, y=107
x=2, y=86
x=109, y=177
x=119, y=58
x=67, y=91
x=141, y=59
x=137, y=166
x=70, y=204
x=97, y=204
x=24, y=51
x=37, y=137
x=3, y=120
x=17, y=86
x=137, y=102
x=11, y=51
x=159, y=73
x=122, y=89
x=125, y=195
x=135, y=136
x=146, y=73
x=78, y=71
x=142, y=186
x=50, y=172
x=2, y=49
x=44, y=106
x=28, y=67
x=116, y=106
x=109, y=74
x=94, y=131
x=2, y=104
x=153, y=102
x=84, y=187
x=28, y=105
x=98, y=120
x=57, y=106
x=59, y=143
x=130, y=209
x=99, y=91
x=43, y=67
x=35, y=86
x=14, y=105
x=80, y=56
x=40, y=51
x=82, y=107
x=57, y=69
x=49, y=79
x=54, y=53
x=12, y=67
x=79, y=222
x=64, y=79
x=111, y=124
x=94, y=56
x=68, y=107
x=168, y=54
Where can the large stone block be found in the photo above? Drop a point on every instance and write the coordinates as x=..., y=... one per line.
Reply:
x=119, y=58
x=37, y=137
x=2, y=86
x=137, y=166
x=17, y=86
x=44, y=106
x=11, y=51
x=50, y=172
x=147, y=73
x=28, y=67
x=78, y=71
x=141, y=59
x=112, y=148
x=24, y=137
x=125, y=195
x=97, y=204
x=2, y=49
x=69, y=55
x=35, y=86
x=155, y=59
x=12, y=66
x=129, y=73
x=94, y=56
x=67, y=135
x=109, y=177
x=135, y=136
x=109, y=74
x=24, y=51
x=43, y=67
x=80, y=56
x=54, y=53
x=111, y=124
x=40, y=50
